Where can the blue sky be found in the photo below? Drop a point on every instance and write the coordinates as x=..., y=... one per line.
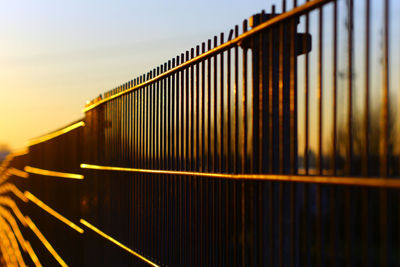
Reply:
x=55, y=55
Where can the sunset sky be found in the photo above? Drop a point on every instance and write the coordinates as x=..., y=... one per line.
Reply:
x=55, y=55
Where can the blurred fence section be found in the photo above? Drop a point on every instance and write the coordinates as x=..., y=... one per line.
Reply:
x=275, y=144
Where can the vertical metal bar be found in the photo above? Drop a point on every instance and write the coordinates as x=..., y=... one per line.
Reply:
x=244, y=104
x=164, y=122
x=306, y=89
x=173, y=133
x=319, y=159
x=228, y=107
x=157, y=180
x=235, y=105
x=191, y=180
x=192, y=146
x=190, y=193
x=384, y=139
x=204, y=160
x=211, y=149
x=203, y=113
x=220, y=141
x=156, y=92
x=172, y=161
x=140, y=156
x=166, y=119
x=186, y=179
x=197, y=114
x=200, y=150
x=187, y=144
x=170, y=180
x=348, y=162
x=136, y=125
x=293, y=132
x=348, y=167
x=261, y=75
x=148, y=178
x=366, y=103
x=281, y=137
x=209, y=109
x=182, y=116
x=281, y=81
x=319, y=91
x=244, y=149
x=292, y=40
x=252, y=201
x=229, y=240
x=255, y=109
x=145, y=126
x=215, y=110
x=270, y=100
x=135, y=163
x=334, y=61
x=221, y=122
x=178, y=120
x=144, y=164
x=151, y=178
x=151, y=113
x=385, y=94
x=121, y=115
x=270, y=144
x=164, y=125
x=197, y=205
x=129, y=132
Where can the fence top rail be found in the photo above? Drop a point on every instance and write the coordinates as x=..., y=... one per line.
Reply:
x=297, y=11
x=313, y=179
x=56, y=133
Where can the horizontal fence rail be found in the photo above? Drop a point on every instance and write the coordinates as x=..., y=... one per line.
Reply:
x=274, y=145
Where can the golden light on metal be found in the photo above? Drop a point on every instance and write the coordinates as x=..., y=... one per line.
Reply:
x=52, y=212
x=11, y=187
x=10, y=203
x=53, y=173
x=32, y=254
x=6, y=249
x=14, y=226
x=13, y=241
x=4, y=177
x=44, y=241
x=96, y=230
x=335, y=180
x=18, y=173
x=56, y=133
x=4, y=213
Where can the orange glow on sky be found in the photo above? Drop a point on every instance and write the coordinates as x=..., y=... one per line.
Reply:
x=55, y=56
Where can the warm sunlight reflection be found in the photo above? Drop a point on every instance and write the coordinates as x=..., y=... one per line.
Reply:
x=53, y=212
x=96, y=230
x=53, y=173
x=45, y=242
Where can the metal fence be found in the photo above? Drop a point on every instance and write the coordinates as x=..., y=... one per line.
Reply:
x=276, y=145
